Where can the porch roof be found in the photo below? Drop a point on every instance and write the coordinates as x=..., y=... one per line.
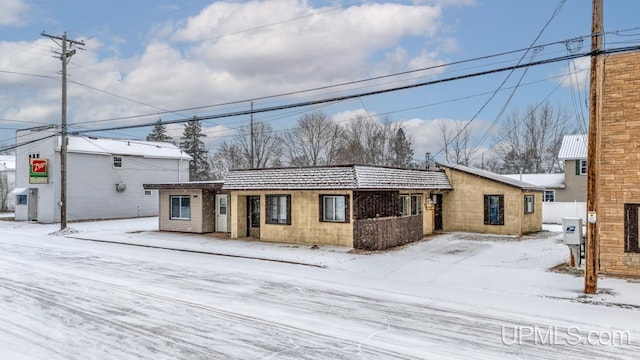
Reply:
x=349, y=177
x=204, y=185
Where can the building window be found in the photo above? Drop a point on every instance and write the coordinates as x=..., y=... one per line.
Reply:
x=334, y=208
x=148, y=193
x=21, y=199
x=223, y=205
x=180, y=207
x=494, y=209
x=581, y=167
x=416, y=204
x=117, y=161
x=278, y=209
x=404, y=205
x=631, y=228
x=528, y=204
x=34, y=156
x=549, y=196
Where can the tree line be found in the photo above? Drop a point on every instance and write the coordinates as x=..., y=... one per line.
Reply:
x=315, y=140
x=527, y=142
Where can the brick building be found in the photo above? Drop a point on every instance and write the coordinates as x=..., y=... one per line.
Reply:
x=618, y=178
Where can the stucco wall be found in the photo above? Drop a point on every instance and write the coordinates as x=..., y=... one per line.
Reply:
x=305, y=228
x=463, y=208
x=619, y=179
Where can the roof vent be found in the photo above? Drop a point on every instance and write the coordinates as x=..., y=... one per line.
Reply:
x=121, y=187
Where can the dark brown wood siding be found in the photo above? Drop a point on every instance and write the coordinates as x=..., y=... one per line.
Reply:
x=385, y=233
x=375, y=204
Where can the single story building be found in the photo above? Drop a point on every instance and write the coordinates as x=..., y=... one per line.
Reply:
x=485, y=202
x=364, y=207
x=195, y=207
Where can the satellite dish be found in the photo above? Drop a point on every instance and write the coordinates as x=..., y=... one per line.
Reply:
x=121, y=187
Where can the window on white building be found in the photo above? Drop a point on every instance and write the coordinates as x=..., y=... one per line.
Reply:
x=117, y=161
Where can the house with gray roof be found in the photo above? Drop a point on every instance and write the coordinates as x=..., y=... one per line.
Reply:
x=105, y=177
x=485, y=202
x=573, y=152
x=364, y=207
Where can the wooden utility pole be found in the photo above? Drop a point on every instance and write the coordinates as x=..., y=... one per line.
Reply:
x=65, y=56
x=591, y=253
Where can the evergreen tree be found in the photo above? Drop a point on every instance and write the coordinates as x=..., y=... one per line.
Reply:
x=159, y=133
x=401, y=147
x=191, y=142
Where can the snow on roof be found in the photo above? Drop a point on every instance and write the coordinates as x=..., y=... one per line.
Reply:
x=7, y=162
x=493, y=176
x=548, y=181
x=352, y=177
x=103, y=146
x=573, y=147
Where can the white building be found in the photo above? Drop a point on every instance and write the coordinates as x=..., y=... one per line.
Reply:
x=104, y=176
x=8, y=172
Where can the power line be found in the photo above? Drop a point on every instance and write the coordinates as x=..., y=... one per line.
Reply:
x=370, y=93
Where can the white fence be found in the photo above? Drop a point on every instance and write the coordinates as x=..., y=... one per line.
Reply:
x=553, y=212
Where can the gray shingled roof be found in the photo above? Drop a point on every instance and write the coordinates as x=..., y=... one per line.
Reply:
x=493, y=176
x=354, y=177
x=573, y=147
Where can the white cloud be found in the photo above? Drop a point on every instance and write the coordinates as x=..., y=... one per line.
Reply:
x=576, y=74
x=229, y=51
x=14, y=12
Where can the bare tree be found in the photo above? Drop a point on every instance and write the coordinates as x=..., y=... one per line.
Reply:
x=367, y=141
x=4, y=191
x=456, y=145
x=228, y=156
x=530, y=143
x=313, y=141
x=236, y=154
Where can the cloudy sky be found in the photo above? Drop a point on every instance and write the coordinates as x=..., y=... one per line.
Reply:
x=149, y=59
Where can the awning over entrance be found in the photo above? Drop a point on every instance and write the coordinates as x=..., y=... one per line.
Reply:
x=19, y=191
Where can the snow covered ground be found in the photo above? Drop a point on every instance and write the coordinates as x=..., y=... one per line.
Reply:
x=89, y=294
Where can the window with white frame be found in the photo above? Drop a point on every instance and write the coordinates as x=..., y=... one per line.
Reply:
x=148, y=193
x=334, y=208
x=117, y=161
x=21, y=199
x=528, y=204
x=404, y=205
x=581, y=167
x=279, y=209
x=180, y=207
x=416, y=204
x=549, y=196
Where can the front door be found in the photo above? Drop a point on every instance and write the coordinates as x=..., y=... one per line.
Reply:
x=221, y=213
x=253, y=216
x=32, y=205
x=437, y=211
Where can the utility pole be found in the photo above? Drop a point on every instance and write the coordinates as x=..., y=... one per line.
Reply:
x=65, y=55
x=591, y=253
x=251, y=138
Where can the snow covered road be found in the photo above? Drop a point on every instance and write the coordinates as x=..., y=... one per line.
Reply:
x=72, y=299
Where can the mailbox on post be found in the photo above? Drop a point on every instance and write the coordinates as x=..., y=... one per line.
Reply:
x=572, y=237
